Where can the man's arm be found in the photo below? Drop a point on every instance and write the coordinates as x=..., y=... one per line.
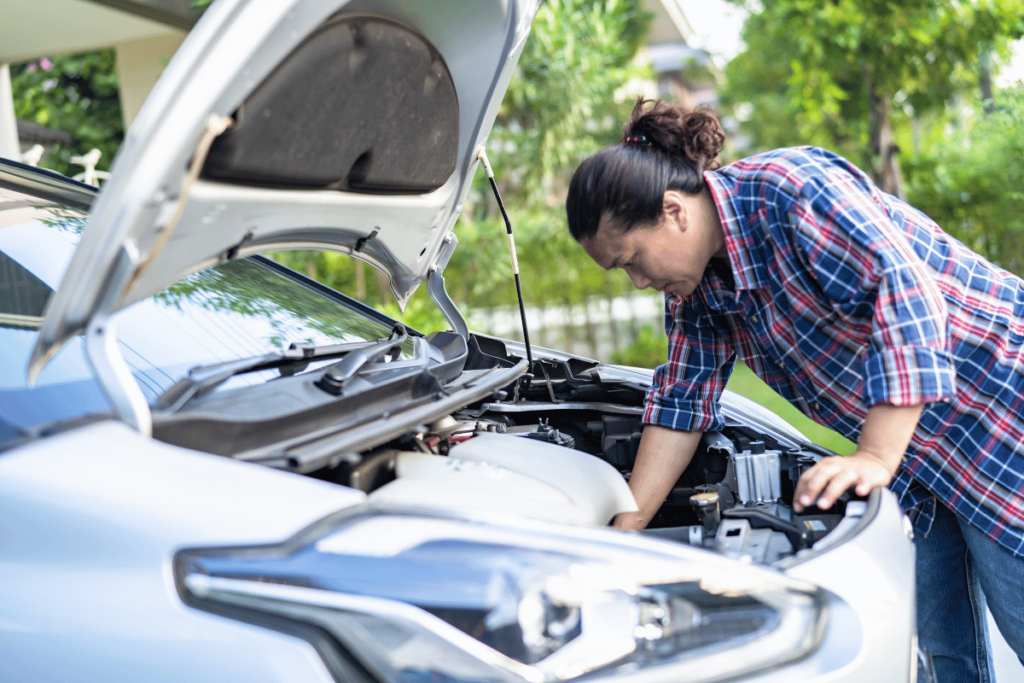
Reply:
x=663, y=455
x=883, y=441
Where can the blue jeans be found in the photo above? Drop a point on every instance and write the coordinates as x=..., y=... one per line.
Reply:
x=958, y=567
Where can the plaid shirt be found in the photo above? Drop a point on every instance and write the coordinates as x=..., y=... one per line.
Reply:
x=841, y=297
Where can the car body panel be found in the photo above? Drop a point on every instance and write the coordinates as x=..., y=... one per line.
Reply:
x=90, y=519
x=873, y=573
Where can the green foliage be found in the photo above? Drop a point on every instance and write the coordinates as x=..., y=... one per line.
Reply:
x=972, y=183
x=648, y=350
x=420, y=313
x=73, y=93
x=293, y=313
x=825, y=72
x=330, y=268
x=561, y=104
x=565, y=102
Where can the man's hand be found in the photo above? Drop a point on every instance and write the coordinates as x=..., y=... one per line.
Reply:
x=663, y=455
x=628, y=521
x=883, y=441
x=829, y=478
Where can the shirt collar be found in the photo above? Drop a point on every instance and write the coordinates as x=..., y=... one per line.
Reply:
x=745, y=256
x=716, y=294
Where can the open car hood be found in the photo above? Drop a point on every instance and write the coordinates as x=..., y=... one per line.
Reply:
x=350, y=125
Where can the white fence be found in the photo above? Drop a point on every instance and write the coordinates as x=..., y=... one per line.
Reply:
x=34, y=154
x=596, y=328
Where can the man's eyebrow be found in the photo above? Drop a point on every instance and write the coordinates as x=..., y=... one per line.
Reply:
x=615, y=262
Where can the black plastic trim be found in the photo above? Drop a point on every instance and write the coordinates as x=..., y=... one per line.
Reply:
x=46, y=184
x=874, y=504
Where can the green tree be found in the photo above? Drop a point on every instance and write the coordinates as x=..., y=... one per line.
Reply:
x=73, y=93
x=972, y=182
x=846, y=73
x=566, y=101
x=562, y=103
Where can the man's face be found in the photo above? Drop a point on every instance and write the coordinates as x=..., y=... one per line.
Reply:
x=669, y=256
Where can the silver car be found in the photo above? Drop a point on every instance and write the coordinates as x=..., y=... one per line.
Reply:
x=213, y=468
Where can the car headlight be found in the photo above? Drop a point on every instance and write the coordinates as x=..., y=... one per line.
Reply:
x=415, y=596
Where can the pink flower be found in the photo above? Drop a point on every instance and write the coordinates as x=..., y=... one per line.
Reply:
x=45, y=64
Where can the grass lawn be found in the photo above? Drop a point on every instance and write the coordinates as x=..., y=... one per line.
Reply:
x=745, y=382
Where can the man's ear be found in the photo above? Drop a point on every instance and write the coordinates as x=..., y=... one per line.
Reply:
x=673, y=209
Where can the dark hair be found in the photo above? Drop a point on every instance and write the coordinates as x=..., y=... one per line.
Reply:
x=664, y=147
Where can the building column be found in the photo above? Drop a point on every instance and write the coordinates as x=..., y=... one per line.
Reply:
x=9, y=145
x=139, y=65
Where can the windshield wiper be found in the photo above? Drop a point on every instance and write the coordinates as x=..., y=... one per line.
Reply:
x=338, y=375
x=203, y=378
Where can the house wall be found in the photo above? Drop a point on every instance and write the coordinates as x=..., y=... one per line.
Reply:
x=139, y=65
x=8, y=124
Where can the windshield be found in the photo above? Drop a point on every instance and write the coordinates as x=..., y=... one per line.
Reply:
x=237, y=310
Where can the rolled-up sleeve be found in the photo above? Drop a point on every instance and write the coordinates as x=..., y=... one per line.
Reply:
x=686, y=389
x=865, y=265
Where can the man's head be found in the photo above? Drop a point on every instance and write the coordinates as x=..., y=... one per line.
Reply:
x=642, y=204
x=669, y=254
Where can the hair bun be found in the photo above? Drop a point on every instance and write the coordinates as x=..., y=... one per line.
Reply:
x=675, y=131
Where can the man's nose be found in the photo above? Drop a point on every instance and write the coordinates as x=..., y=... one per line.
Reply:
x=639, y=281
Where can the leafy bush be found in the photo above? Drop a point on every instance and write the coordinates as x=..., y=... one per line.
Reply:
x=648, y=350
x=972, y=183
x=73, y=93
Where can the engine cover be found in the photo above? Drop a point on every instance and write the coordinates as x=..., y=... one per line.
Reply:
x=512, y=475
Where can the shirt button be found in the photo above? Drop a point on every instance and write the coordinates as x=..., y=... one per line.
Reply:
x=817, y=406
x=782, y=365
x=755, y=319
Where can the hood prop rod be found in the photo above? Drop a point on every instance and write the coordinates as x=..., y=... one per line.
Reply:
x=482, y=155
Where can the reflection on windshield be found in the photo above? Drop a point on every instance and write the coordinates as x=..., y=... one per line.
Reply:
x=236, y=310
x=291, y=312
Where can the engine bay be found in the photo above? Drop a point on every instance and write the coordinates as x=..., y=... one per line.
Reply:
x=733, y=498
x=440, y=431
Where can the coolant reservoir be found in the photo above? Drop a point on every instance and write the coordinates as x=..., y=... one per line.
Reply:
x=512, y=475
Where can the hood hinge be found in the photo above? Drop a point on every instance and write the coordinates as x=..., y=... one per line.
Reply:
x=439, y=295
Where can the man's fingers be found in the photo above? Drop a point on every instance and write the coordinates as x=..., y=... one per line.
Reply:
x=813, y=481
x=828, y=479
x=840, y=482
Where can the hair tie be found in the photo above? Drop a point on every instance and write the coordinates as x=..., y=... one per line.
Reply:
x=639, y=139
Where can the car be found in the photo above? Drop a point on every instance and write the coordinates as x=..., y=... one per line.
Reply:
x=214, y=468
